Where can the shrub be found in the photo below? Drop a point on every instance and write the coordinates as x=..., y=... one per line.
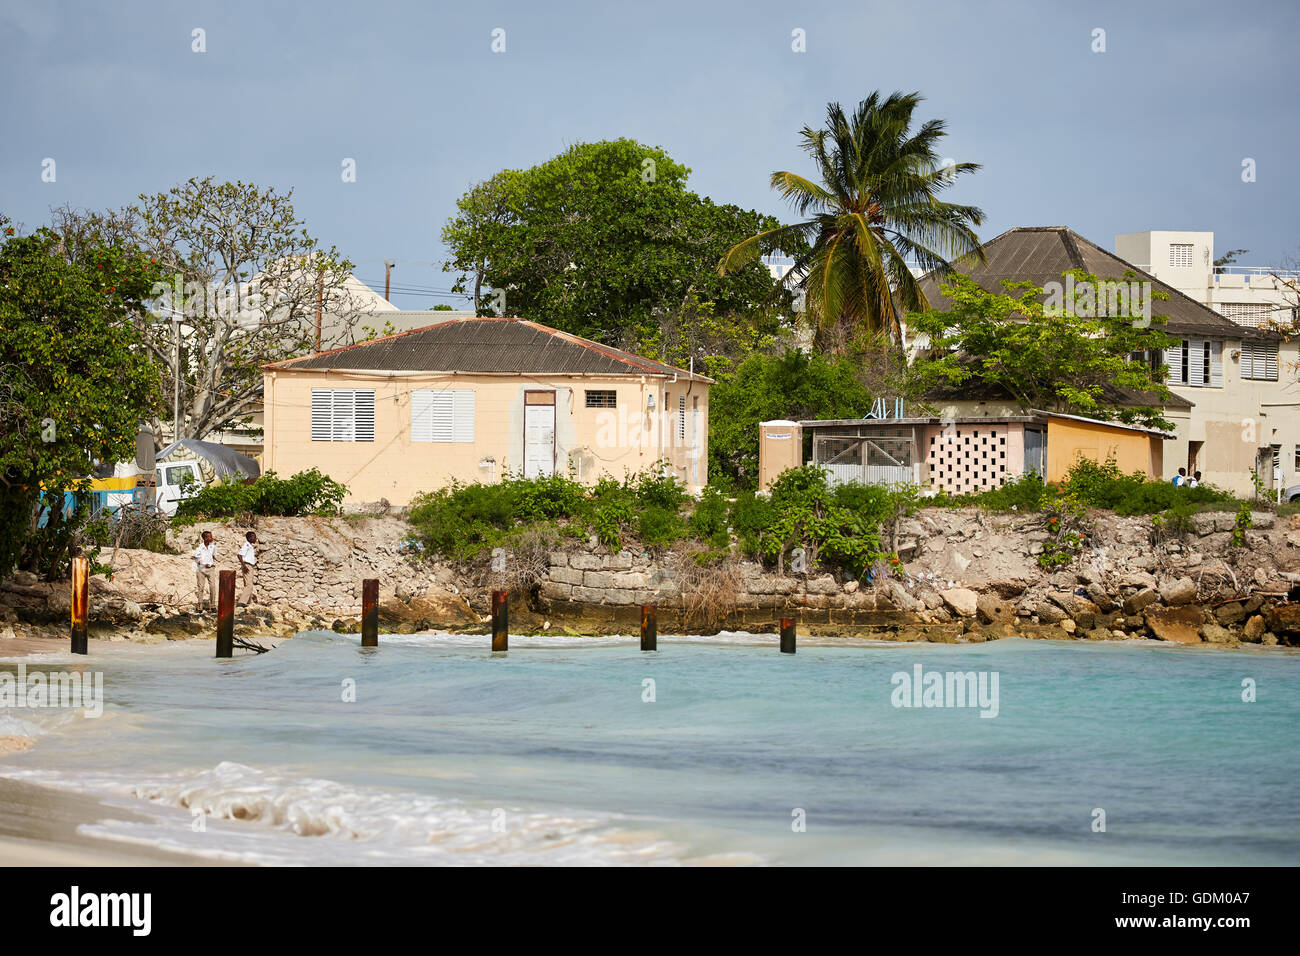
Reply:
x=709, y=519
x=660, y=527
x=306, y=493
x=750, y=514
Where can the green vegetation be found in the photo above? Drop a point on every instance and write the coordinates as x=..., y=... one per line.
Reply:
x=75, y=381
x=873, y=209
x=804, y=520
x=306, y=493
x=795, y=385
x=1060, y=358
x=605, y=241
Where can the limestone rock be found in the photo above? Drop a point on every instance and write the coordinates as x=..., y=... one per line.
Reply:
x=1135, y=603
x=1254, y=629
x=1181, y=591
x=1230, y=614
x=1178, y=624
x=962, y=601
x=993, y=610
x=1216, y=634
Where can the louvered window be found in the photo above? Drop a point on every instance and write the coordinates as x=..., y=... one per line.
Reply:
x=1180, y=255
x=342, y=414
x=681, y=418
x=602, y=398
x=1196, y=362
x=442, y=415
x=1259, y=361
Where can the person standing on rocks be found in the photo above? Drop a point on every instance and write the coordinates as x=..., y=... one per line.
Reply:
x=205, y=570
x=247, y=568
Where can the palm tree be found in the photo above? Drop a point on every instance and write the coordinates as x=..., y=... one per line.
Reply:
x=875, y=208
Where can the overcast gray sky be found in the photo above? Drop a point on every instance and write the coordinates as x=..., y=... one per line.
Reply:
x=1150, y=134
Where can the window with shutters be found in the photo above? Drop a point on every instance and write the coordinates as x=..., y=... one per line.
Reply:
x=342, y=414
x=1197, y=363
x=681, y=419
x=1180, y=255
x=602, y=398
x=1259, y=361
x=442, y=415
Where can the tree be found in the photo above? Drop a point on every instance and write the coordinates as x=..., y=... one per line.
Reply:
x=1228, y=258
x=875, y=208
x=1058, y=356
x=603, y=241
x=243, y=278
x=75, y=382
x=796, y=385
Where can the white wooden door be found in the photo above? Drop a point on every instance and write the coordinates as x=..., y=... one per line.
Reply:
x=539, y=441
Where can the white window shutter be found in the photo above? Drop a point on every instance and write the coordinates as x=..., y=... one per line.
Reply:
x=322, y=417
x=1195, y=362
x=1270, y=362
x=1216, y=364
x=463, y=416
x=1174, y=359
x=442, y=415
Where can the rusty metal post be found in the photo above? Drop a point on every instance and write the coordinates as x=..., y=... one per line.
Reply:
x=500, y=620
x=226, y=614
x=787, y=635
x=370, y=612
x=80, y=604
x=649, y=628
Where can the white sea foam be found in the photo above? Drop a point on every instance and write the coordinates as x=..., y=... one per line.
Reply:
x=275, y=818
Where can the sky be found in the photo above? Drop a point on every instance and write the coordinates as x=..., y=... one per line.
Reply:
x=1150, y=133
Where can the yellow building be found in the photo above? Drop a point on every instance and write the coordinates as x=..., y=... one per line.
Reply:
x=475, y=399
x=964, y=453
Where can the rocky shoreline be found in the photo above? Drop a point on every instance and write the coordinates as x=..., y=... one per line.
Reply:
x=963, y=576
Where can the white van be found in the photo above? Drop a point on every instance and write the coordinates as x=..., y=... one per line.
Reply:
x=172, y=484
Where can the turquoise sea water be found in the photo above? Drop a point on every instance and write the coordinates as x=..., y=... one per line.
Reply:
x=553, y=754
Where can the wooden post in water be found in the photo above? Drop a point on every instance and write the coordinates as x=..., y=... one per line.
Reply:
x=787, y=635
x=226, y=614
x=370, y=612
x=80, y=604
x=500, y=620
x=649, y=628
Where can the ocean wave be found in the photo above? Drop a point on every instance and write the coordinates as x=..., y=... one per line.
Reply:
x=278, y=818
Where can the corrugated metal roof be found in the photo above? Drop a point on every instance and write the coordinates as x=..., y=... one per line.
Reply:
x=485, y=345
x=1040, y=254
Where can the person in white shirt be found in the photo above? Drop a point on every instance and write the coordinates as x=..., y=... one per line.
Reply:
x=247, y=568
x=205, y=570
x=1195, y=480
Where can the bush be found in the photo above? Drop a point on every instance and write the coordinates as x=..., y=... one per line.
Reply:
x=709, y=519
x=750, y=514
x=660, y=527
x=306, y=493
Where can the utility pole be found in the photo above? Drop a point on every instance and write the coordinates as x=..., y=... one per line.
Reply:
x=320, y=305
x=388, y=272
x=176, y=384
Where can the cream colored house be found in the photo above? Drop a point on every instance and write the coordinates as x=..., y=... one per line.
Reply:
x=475, y=399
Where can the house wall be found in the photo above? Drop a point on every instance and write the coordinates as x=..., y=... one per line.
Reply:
x=589, y=442
x=1068, y=441
x=971, y=457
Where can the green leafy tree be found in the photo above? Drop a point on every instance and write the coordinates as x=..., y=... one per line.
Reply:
x=243, y=278
x=873, y=208
x=603, y=241
x=795, y=385
x=1061, y=358
x=75, y=382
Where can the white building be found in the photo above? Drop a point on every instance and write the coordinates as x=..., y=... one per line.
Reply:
x=1260, y=396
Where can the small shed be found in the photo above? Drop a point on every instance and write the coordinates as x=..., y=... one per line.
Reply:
x=974, y=454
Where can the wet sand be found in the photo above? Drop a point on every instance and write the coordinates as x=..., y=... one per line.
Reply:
x=38, y=827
